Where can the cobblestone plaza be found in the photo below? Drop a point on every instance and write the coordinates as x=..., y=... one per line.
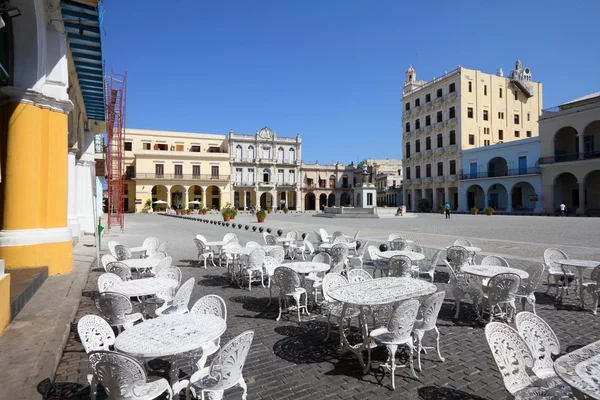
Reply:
x=289, y=360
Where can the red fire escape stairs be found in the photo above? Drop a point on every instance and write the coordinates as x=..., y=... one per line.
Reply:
x=115, y=85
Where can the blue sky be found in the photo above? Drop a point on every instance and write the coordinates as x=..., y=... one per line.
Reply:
x=332, y=70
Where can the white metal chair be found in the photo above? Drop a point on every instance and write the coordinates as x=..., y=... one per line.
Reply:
x=180, y=302
x=593, y=289
x=270, y=264
x=513, y=359
x=562, y=277
x=120, y=269
x=253, y=268
x=95, y=333
x=288, y=282
x=107, y=259
x=397, y=332
x=204, y=251
x=213, y=305
x=358, y=275
x=502, y=289
x=225, y=370
x=117, y=310
x=123, y=377
x=428, y=269
x=122, y=252
x=108, y=280
x=111, y=247
x=315, y=279
x=495, y=260
x=527, y=288
x=426, y=321
x=400, y=266
x=541, y=340
x=462, y=289
x=334, y=308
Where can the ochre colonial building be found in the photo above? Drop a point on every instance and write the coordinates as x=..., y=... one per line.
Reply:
x=462, y=109
x=176, y=168
x=327, y=185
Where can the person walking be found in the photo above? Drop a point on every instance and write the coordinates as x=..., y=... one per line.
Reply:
x=447, y=208
x=563, y=209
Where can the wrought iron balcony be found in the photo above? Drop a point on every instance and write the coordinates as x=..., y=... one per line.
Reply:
x=204, y=177
x=501, y=174
x=558, y=158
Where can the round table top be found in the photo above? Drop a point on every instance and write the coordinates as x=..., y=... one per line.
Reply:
x=470, y=249
x=306, y=267
x=140, y=263
x=382, y=291
x=581, y=368
x=414, y=256
x=328, y=246
x=169, y=335
x=216, y=243
x=578, y=263
x=143, y=287
x=284, y=239
x=240, y=251
x=488, y=271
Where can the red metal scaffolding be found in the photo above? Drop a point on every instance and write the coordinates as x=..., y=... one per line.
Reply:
x=115, y=85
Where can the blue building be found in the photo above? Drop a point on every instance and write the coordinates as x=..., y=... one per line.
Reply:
x=503, y=176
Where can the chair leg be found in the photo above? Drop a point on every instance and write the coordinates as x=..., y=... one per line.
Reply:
x=392, y=362
x=410, y=359
x=419, y=347
x=548, y=284
x=328, y=326
x=93, y=387
x=437, y=341
x=279, y=317
x=242, y=384
x=297, y=298
x=594, y=302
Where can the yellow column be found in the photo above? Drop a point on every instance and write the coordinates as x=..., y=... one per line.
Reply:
x=204, y=198
x=35, y=179
x=185, y=198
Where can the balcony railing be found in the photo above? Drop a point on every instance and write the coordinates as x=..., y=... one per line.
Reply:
x=558, y=158
x=500, y=174
x=244, y=183
x=206, y=177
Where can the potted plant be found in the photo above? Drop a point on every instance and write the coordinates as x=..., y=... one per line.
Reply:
x=269, y=209
x=189, y=211
x=261, y=215
x=442, y=210
x=233, y=213
x=203, y=211
x=147, y=206
x=226, y=214
x=489, y=211
x=285, y=210
x=474, y=210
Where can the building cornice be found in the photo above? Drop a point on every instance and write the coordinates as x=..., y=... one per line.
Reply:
x=28, y=96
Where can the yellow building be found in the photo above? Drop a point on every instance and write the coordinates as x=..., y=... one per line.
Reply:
x=176, y=168
x=462, y=109
x=327, y=185
x=44, y=55
x=570, y=162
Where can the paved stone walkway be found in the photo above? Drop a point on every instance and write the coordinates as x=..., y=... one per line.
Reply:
x=289, y=360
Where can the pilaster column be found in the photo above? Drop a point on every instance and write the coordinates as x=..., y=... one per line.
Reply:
x=72, y=221
x=413, y=200
x=204, y=198
x=581, y=207
x=84, y=205
x=447, y=196
x=243, y=202
x=185, y=198
x=435, y=199
x=466, y=206
x=404, y=197
x=580, y=138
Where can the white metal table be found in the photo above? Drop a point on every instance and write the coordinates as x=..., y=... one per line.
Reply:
x=141, y=263
x=372, y=293
x=144, y=287
x=581, y=370
x=328, y=246
x=580, y=265
x=488, y=271
x=414, y=256
x=306, y=267
x=170, y=335
x=470, y=249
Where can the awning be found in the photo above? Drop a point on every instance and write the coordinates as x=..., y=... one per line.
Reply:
x=83, y=25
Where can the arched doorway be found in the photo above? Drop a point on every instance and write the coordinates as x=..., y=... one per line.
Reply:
x=159, y=193
x=521, y=197
x=292, y=200
x=266, y=201
x=592, y=192
x=475, y=197
x=331, y=200
x=249, y=201
x=310, y=202
x=591, y=139
x=497, y=166
x=213, y=198
x=566, y=144
x=178, y=201
x=344, y=200
x=498, y=197
x=322, y=201
x=566, y=190
x=195, y=194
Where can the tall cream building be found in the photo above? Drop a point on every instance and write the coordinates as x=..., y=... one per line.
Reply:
x=265, y=170
x=462, y=109
x=176, y=167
